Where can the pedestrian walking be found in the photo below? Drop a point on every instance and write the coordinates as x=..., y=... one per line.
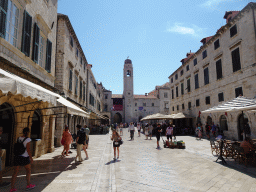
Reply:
x=121, y=128
x=131, y=129
x=138, y=127
x=22, y=157
x=87, y=132
x=158, y=134
x=150, y=130
x=200, y=133
x=169, y=132
x=80, y=140
x=66, y=141
x=146, y=131
x=213, y=130
x=2, y=184
x=116, y=143
x=207, y=130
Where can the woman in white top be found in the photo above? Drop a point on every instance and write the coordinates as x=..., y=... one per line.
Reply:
x=24, y=159
x=138, y=127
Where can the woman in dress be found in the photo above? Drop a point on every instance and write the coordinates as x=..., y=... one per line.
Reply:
x=24, y=160
x=200, y=133
x=67, y=140
x=138, y=127
x=116, y=144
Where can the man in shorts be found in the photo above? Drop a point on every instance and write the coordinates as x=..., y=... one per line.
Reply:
x=158, y=134
x=2, y=184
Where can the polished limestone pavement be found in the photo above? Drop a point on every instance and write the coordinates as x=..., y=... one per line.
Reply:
x=141, y=167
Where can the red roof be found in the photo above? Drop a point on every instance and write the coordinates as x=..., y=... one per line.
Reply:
x=206, y=39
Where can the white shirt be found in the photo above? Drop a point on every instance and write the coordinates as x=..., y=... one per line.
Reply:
x=169, y=130
x=138, y=126
x=25, y=145
x=131, y=127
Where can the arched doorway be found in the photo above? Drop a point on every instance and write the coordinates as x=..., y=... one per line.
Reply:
x=242, y=119
x=223, y=123
x=36, y=125
x=7, y=121
x=117, y=118
x=209, y=120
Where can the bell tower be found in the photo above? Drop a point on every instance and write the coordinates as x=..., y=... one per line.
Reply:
x=128, y=90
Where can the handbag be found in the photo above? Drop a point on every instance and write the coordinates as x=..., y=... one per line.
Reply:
x=62, y=141
x=121, y=142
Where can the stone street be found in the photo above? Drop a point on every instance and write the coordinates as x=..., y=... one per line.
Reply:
x=141, y=167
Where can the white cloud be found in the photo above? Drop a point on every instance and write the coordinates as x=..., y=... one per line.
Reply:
x=184, y=30
x=211, y=3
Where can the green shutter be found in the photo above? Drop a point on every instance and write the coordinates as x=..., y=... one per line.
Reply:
x=48, y=56
x=26, y=36
x=36, y=43
x=3, y=13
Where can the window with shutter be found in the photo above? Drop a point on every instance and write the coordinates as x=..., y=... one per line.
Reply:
x=81, y=89
x=195, y=61
x=48, y=56
x=26, y=36
x=196, y=81
x=236, y=60
x=206, y=76
x=187, y=67
x=217, y=44
x=172, y=108
x=197, y=103
x=36, y=43
x=239, y=91
x=221, y=97
x=181, y=72
x=176, y=76
x=3, y=13
x=188, y=85
x=207, y=100
x=204, y=54
x=177, y=107
x=76, y=86
x=219, y=69
x=183, y=106
x=172, y=94
x=182, y=88
x=177, y=91
x=70, y=79
x=233, y=31
x=189, y=105
x=171, y=80
x=84, y=92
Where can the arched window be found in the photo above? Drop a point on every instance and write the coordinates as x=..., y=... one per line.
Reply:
x=36, y=125
x=128, y=74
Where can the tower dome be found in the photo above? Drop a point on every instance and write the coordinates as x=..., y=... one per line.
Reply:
x=128, y=61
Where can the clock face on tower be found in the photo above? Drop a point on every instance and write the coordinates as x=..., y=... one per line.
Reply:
x=128, y=94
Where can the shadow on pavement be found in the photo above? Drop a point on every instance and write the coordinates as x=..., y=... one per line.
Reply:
x=112, y=161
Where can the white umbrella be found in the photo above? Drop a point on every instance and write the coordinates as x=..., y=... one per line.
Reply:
x=181, y=116
x=238, y=104
x=155, y=117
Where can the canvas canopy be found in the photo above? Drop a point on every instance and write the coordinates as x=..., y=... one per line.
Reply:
x=155, y=117
x=238, y=104
x=17, y=85
x=180, y=116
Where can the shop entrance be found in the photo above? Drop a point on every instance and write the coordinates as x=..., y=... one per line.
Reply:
x=36, y=125
x=242, y=119
x=7, y=121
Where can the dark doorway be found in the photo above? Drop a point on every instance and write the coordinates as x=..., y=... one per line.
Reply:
x=105, y=121
x=117, y=118
x=36, y=125
x=7, y=121
x=241, y=121
x=223, y=123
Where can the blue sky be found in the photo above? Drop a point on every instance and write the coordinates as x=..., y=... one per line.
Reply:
x=155, y=34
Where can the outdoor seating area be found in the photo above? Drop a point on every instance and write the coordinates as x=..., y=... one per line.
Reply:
x=233, y=150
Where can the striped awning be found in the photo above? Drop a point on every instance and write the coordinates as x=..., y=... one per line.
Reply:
x=238, y=104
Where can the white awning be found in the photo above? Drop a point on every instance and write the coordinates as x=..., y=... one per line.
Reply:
x=17, y=85
x=238, y=104
x=72, y=109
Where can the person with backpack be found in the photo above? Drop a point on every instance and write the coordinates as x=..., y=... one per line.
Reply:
x=22, y=157
x=80, y=140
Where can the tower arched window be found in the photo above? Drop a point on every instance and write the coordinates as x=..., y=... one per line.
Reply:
x=128, y=74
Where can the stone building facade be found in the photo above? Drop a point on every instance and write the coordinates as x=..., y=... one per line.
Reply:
x=223, y=68
x=27, y=50
x=71, y=74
